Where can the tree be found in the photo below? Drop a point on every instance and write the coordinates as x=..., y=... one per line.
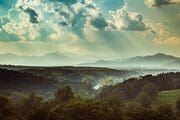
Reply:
x=178, y=106
x=131, y=109
x=4, y=102
x=80, y=110
x=165, y=112
x=112, y=97
x=151, y=89
x=64, y=94
x=30, y=104
x=40, y=114
x=6, y=110
x=144, y=99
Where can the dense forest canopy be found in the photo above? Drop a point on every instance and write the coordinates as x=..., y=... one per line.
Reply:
x=24, y=97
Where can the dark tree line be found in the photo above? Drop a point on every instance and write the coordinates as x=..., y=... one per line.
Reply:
x=66, y=106
x=18, y=81
x=130, y=100
x=134, y=87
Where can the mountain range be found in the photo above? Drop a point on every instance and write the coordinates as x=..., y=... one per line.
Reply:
x=49, y=59
x=159, y=60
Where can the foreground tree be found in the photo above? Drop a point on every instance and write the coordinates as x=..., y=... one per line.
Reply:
x=30, y=104
x=131, y=110
x=6, y=110
x=151, y=89
x=178, y=107
x=165, y=112
x=63, y=95
x=144, y=99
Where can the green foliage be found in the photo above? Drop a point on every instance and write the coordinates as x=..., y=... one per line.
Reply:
x=79, y=111
x=66, y=106
x=6, y=110
x=166, y=112
x=40, y=114
x=178, y=106
x=151, y=89
x=4, y=102
x=130, y=100
x=30, y=104
x=22, y=81
x=85, y=110
x=131, y=107
x=113, y=97
x=64, y=94
x=168, y=97
x=144, y=99
x=149, y=84
x=135, y=111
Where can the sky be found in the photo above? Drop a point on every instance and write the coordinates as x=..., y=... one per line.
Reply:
x=105, y=29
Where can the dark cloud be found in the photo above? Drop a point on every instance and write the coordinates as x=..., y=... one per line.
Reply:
x=63, y=24
x=78, y=15
x=136, y=23
x=33, y=16
x=73, y=16
x=99, y=23
x=156, y=3
x=78, y=22
x=65, y=14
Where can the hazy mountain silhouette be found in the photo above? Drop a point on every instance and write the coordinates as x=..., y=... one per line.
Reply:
x=49, y=59
x=63, y=59
x=157, y=60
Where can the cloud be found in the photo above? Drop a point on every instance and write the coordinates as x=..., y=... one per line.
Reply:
x=88, y=14
x=156, y=3
x=124, y=20
x=168, y=41
x=163, y=36
x=23, y=29
x=60, y=19
x=99, y=22
x=33, y=16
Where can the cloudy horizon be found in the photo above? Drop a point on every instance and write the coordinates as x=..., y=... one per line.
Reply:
x=103, y=28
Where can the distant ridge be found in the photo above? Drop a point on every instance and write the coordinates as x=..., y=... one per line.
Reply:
x=49, y=59
x=150, y=61
x=60, y=59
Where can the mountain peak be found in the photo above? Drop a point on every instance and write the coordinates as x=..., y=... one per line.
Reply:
x=161, y=54
x=8, y=54
x=53, y=53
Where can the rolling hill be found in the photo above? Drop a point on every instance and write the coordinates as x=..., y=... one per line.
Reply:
x=81, y=79
x=18, y=81
x=168, y=97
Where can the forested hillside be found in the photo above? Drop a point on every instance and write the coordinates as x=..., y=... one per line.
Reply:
x=132, y=87
x=24, y=82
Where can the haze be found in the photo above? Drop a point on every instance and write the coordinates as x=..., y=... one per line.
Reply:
x=99, y=29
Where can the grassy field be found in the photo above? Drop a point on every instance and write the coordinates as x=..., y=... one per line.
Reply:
x=168, y=97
